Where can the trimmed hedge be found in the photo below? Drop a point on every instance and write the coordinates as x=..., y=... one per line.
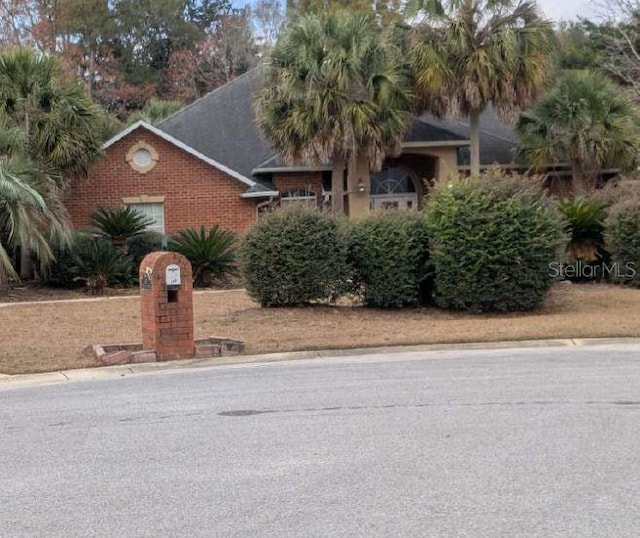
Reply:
x=622, y=238
x=293, y=257
x=389, y=252
x=493, y=241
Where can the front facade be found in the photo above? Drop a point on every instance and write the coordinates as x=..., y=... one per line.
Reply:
x=208, y=165
x=174, y=187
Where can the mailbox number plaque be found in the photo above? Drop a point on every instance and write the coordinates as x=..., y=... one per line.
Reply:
x=172, y=276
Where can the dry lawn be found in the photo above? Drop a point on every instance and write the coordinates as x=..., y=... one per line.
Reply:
x=50, y=336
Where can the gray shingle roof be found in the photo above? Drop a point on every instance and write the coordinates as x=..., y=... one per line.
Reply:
x=221, y=125
x=497, y=141
x=425, y=131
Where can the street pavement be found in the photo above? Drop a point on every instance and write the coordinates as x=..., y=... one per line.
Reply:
x=541, y=442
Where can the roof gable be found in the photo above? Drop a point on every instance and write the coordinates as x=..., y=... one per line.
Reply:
x=185, y=147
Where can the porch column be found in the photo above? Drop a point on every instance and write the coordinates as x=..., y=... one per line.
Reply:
x=358, y=186
x=446, y=163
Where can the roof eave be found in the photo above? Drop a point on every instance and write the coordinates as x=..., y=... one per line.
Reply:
x=436, y=143
x=274, y=169
x=263, y=194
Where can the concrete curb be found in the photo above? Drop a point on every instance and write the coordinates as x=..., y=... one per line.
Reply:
x=125, y=370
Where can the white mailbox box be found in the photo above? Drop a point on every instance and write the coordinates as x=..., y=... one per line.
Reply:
x=172, y=276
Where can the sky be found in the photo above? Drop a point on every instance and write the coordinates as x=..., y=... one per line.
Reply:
x=568, y=9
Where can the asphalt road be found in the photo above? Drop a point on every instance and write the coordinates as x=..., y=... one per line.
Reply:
x=513, y=443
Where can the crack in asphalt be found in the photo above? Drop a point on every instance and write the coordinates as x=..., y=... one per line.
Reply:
x=251, y=412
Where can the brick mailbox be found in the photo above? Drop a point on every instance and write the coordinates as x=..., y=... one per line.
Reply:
x=166, y=295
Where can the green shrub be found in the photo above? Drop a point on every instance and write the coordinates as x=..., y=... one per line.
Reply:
x=63, y=272
x=138, y=246
x=389, y=252
x=493, y=243
x=90, y=261
x=118, y=224
x=622, y=237
x=294, y=257
x=584, y=224
x=212, y=253
x=99, y=264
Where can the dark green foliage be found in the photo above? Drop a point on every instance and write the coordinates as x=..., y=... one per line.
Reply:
x=294, y=257
x=139, y=246
x=63, y=272
x=492, y=244
x=100, y=264
x=584, y=224
x=389, y=253
x=91, y=261
x=212, y=253
x=118, y=224
x=622, y=237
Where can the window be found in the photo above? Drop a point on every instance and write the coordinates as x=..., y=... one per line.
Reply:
x=155, y=211
x=298, y=197
x=142, y=157
x=392, y=180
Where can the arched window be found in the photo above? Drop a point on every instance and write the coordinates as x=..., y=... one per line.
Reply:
x=392, y=180
x=298, y=197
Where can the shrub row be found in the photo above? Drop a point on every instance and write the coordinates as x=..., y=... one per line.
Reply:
x=604, y=234
x=483, y=244
x=111, y=252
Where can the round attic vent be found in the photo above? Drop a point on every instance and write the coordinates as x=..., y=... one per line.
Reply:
x=142, y=157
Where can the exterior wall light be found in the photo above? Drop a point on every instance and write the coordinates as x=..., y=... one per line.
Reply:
x=360, y=186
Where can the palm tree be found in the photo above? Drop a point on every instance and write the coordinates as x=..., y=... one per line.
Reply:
x=62, y=127
x=51, y=125
x=586, y=121
x=155, y=111
x=470, y=53
x=30, y=216
x=119, y=224
x=335, y=90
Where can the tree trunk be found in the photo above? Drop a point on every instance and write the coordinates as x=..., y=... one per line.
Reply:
x=337, y=186
x=26, y=266
x=474, y=124
x=92, y=66
x=580, y=182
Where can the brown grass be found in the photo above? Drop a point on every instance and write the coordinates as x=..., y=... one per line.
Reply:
x=50, y=336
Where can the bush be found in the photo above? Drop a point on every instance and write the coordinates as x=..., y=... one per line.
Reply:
x=90, y=261
x=293, y=257
x=493, y=242
x=389, y=252
x=620, y=190
x=138, y=246
x=622, y=237
x=118, y=224
x=584, y=224
x=99, y=264
x=63, y=272
x=212, y=254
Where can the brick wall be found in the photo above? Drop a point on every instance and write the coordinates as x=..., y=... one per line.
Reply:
x=311, y=181
x=195, y=193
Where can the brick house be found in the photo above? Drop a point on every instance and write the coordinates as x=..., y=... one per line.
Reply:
x=208, y=164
